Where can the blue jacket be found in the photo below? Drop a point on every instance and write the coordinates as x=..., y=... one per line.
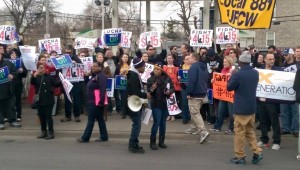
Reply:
x=197, y=80
x=244, y=84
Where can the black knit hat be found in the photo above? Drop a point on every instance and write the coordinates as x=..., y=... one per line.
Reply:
x=138, y=62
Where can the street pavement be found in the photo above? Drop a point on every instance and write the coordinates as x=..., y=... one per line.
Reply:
x=20, y=149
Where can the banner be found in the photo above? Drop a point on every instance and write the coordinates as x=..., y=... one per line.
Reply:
x=226, y=35
x=293, y=68
x=110, y=87
x=243, y=14
x=120, y=82
x=4, y=75
x=8, y=34
x=67, y=86
x=147, y=73
x=29, y=57
x=112, y=36
x=88, y=62
x=149, y=38
x=17, y=62
x=81, y=42
x=49, y=45
x=126, y=39
x=146, y=115
x=220, y=87
x=276, y=85
x=172, y=105
x=201, y=38
x=62, y=61
x=74, y=73
x=183, y=74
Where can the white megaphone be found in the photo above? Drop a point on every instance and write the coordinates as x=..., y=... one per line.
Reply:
x=135, y=103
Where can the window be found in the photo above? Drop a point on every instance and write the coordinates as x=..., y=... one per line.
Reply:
x=270, y=38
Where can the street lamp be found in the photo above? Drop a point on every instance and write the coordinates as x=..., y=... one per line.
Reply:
x=102, y=4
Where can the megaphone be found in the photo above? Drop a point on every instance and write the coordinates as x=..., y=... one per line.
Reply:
x=135, y=103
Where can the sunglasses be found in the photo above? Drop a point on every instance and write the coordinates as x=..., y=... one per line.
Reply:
x=151, y=49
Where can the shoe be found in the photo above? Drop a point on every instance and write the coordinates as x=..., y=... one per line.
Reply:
x=5, y=120
x=203, y=136
x=276, y=147
x=215, y=130
x=43, y=135
x=238, y=161
x=184, y=122
x=80, y=140
x=161, y=143
x=196, y=132
x=15, y=124
x=190, y=130
x=169, y=118
x=77, y=119
x=228, y=132
x=285, y=133
x=172, y=118
x=296, y=134
x=65, y=119
x=1, y=126
x=136, y=149
x=261, y=144
x=50, y=136
x=101, y=140
x=123, y=116
x=18, y=119
x=257, y=158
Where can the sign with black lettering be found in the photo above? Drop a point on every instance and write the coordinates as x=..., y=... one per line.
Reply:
x=247, y=14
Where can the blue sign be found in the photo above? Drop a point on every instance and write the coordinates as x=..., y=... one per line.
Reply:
x=112, y=36
x=62, y=62
x=109, y=84
x=183, y=74
x=17, y=62
x=121, y=82
x=4, y=75
x=210, y=96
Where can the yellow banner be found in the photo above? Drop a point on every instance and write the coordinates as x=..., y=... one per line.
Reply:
x=247, y=14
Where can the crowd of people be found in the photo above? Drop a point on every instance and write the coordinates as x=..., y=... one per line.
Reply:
x=201, y=63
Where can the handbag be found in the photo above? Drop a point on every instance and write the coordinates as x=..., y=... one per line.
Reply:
x=36, y=97
x=57, y=91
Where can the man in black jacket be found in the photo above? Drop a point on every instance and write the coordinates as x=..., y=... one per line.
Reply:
x=135, y=87
x=7, y=95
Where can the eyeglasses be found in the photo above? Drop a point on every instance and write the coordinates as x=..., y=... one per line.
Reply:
x=151, y=49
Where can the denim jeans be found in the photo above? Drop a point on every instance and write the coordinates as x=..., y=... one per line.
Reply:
x=224, y=109
x=117, y=102
x=76, y=93
x=185, y=106
x=159, y=120
x=95, y=113
x=290, y=117
x=136, y=128
x=123, y=101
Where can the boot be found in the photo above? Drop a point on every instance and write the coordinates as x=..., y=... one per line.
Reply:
x=43, y=135
x=153, y=144
x=161, y=143
x=50, y=136
x=135, y=148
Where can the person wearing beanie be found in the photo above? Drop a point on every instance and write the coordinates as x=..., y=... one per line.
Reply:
x=244, y=83
x=135, y=87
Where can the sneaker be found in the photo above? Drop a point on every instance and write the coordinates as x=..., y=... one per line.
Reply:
x=5, y=120
x=238, y=161
x=257, y=158
x=65, y=119
x=276, y=147
x=261, y=144
x=215, y=130
x=15, y=124
x=18, y=119
x=77, y=119
x=228, y=132
x=296, y=134
x=203, y=136
x=196, y=132
x=190, y=130
x=1, y=126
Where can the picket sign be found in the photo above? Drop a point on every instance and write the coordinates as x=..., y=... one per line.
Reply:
x=110, y=87
x=88, y=62
x=147, y=73
x=172, y=105
x=75, y=73
x=67, y=86
x=4, y=72
x=29, y=57
x=81, y=42
x=112, y=36
x=62, y=61
x=8, y=34
x=150, y=38
x=201, y=38
x=49, y=45
x=226, y=35
x=126, y=39
x=16, y=62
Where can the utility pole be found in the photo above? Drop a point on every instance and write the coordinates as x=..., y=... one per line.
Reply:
x=205, y=17
x=92, y=25
x=47, y=18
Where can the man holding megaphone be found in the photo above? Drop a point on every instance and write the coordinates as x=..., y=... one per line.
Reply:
x=135, y=87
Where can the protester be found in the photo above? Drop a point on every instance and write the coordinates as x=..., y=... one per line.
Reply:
x=196, y=91
x=157, y=85
x=135, y=87
x=186, y=116
x=95, y=107
x=44, y=84
x=244, y=83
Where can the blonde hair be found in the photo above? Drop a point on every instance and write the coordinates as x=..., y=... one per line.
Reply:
x=229, y=60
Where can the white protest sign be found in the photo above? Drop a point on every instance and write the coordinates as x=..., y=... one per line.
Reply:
x=226, y=35
x=8, y=34
x=28, y=56
x=172, y=105
x=49, y=45
x=146, y=115
x=201, y=38
x=67, y=86
x=293, y=68
x=276, y=85
x=147, y=73
x=149, y=38
x=126, y=39
x=81, y=42
x=74, y=73
x=88, y=62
